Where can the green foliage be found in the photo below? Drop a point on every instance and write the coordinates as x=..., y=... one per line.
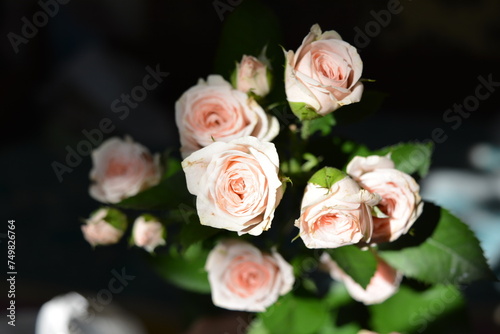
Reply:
x=322, y=124
x=327, y=177
x=184, y=269
x=294, y=315
x=358, y=264
x=452, y=254
x=168, y=194
x=409, y=311
x=116, y=218
x=303, y=111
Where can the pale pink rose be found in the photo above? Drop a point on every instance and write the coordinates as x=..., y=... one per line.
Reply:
x=251, y=76
x=121, y=169
x=148, y=233
x=383, y=284
x=100, y=230
x=214, y=111
x=236, y=184
x=245, y=279
x=335, y=217
x=323, y=74
x=401, y=200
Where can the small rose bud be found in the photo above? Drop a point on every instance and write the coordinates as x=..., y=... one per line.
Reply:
x=148, y=232
x=105, y=226
x=252, y=76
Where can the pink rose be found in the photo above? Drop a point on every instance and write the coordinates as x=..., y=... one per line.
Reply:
x=401, y=200
x=243, y=278
x=148, y=232
x=214, y=111
x=105, y=226
x=122, y=169
x=338, y=216
x=322, y=75
x=383, y=284
x=251, y=76
x=236, y=184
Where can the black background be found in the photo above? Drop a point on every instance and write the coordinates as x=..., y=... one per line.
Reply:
x=65, y=78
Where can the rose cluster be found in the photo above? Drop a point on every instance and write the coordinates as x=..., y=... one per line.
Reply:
x=233, y=169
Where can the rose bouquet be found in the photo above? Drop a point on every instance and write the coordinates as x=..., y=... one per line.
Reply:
x=268, y=211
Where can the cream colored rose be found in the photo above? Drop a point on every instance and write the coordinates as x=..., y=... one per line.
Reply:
x=148, y=233
x=105, y=226
x=121, y=169
x=251, y=76
x=322, y=75
x=401, y=200
x=236, y=184
x=214, y=111
x=383, y=284
x=338, y=216
x=245, y=279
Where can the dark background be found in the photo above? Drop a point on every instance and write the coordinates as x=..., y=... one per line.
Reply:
x=64, y=79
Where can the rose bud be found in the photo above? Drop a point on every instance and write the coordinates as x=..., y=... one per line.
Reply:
x=148, y=232
x=245, y=279
x=251, y=76
x=322, y=75
x=401, y=203
x=335, y=211
x=236, y=184
x=121, y=169
x=214, y=111
x=384, y=283
x=105, y=226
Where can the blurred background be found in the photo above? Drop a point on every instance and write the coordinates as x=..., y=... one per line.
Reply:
x=64, y=75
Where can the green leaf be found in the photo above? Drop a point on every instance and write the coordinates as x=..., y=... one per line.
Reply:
x=358, y=264
x=371, y=101
x=409, y=311
x=195, y=232
x=410, y=157
x=168, y=194
x=303, y=111
x=321, y=124
x=257, y=327
x=186, y=270
x=452, y=254
x=116, y=218
x=327, y=176
x=294, y=315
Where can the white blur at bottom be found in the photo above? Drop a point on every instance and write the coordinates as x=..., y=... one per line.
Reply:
x=69, y=314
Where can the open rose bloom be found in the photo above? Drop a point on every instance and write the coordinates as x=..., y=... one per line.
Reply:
x=236, y=184
x=251, y=76
x=121, y=169
x=401, y=201
x=105, y=226
x=214, y=111
x=336, y=216
x=244, y=278
x=322, y=75
x=384, y=283
x=148, y=233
